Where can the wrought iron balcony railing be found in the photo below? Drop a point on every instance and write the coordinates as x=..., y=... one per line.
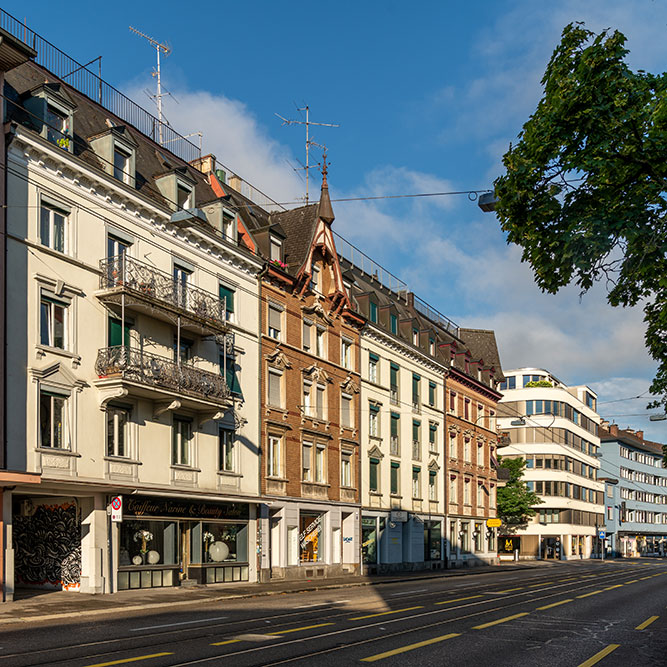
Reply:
x=156, y=371
x=151, y=284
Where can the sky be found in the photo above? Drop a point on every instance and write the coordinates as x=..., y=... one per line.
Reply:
x=427, y=99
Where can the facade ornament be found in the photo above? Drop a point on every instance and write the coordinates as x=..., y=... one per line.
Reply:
x=278, y=358
x=317, y=373
x=376, y=452
x=349, y=386
x=316, y=308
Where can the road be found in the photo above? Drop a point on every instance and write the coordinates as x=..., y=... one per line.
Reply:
x=567, y=614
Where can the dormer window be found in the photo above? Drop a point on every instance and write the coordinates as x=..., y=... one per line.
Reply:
x=415, y=337
x=227, y=226
x=51, y=110
x=121, y=165
x=183, y=196
x=277, y=250
x=315, y=279
x=373, y=312
x=57, y=126
x=393, y=323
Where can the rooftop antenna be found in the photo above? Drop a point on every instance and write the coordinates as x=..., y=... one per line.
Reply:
x=309, y=141
x=159, y=48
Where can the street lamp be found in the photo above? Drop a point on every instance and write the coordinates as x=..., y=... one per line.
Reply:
x=657, y=418
x=487, y=202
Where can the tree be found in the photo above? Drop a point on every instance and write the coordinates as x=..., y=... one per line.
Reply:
x=584, y=191
x=515, y=500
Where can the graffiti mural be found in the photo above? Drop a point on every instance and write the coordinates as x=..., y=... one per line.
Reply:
x=47, y=547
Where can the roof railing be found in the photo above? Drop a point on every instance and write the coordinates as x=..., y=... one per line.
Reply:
x=91, y=85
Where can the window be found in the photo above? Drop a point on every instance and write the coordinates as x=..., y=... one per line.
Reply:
x=315, y=279
x=478, y=537
x=306, y=462
x=117, y=420
x=320, y=407
x=346, y=469
x=480, y=495
x=231, y=376
x=228, y=294
x=53, y=227
x=610, y=513
x=121, y=165
x=373, y=361
x=393, y=323
x=319, y=342
x=307, y=398
x=416, y=440
x=530, y=378
x=181, y=280
x=53, y=420
x=453, y=491
x=395, y=478
x=373, y=312
x=508, y=383
x=415, y=337
x=275, y=388
x=306, y=334
x=373, y=420
x=466, y=409
x=432, y=485
x=276, y=250
x=467, y=450
x=465, y=536
x=320, y=464
x=431, y=347
x=393, y=383
x=394, y=434
x=226, y=449
x=182, y=354
x=346, y=353
x=274, y=466
x=53, y=323
x=416, y=482
x=433, y=437
x=452, y=402
x=453, y=449
x=183, y=196
x=181, y=436
x=57, y=129
x=415, y=390
x=466, y=492
x=275, y=325
x=373, y=475
x=228, y=226
x=431, y=393
x=346, y=411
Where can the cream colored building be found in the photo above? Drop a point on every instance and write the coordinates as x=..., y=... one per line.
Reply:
x=554, y=427
x=132, y=323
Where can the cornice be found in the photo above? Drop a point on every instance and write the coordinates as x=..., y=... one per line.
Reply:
x=477, y=386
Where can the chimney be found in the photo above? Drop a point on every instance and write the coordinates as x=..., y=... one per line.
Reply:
x=613, y=429
x=205, y=164
x=640, y=434
x=605, y=424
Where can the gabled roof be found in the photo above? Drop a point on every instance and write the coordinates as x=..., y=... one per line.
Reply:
x=299, y=226
x=482, y=344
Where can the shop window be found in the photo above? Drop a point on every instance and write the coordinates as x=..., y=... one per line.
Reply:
x=227, y=449
x=465, y=536
x=117, y=426
x=478, y=537
x=53, y=420
x=311, y=543
x=369, y=540
x=217, y=542
x=181, y=442
x=53, y=227
x=146, y=542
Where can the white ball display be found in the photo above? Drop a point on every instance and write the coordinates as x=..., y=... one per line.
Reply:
x=153, y=557
x=218, y=551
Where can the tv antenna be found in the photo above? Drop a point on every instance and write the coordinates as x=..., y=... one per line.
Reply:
x=159, y=48
x=309, y=142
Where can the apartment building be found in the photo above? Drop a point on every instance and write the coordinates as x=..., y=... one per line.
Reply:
x=132, y=353
x=635, y=492
x=554, y=427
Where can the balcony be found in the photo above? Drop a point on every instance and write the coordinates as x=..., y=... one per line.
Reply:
x=156, y=293
x=147, y=375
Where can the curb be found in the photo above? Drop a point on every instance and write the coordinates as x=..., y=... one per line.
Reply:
x=251, y=594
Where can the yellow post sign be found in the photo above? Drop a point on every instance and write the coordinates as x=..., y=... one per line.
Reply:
x=493, y=523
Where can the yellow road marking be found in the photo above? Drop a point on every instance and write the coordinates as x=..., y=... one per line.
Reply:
x=509, y=590
x=570, y=579
x=384, y=613
x=587, y=595
x=642, y=578
x=122, y=662
x=647, y=622
x=410, y=647
x=555, y=604
x=471, y=597
x=614, y=586
x=632, y=581
x=544, y=583
x=228, y=641
x=598, y=656
x=305, y=627
x=500, y=620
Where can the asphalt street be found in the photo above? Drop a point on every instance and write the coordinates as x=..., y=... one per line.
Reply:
x=575, y=614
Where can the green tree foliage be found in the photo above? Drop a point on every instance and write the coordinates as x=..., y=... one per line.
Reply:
x=515, y=500
x=585, y=192
x=538, y=383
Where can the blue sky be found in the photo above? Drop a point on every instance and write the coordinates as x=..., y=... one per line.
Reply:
x=428, y=99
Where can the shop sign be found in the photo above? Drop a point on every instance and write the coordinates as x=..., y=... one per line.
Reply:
x=398, y=516
x=117, y=508
x=508, y=544
x=493, y=523
x=186, y=508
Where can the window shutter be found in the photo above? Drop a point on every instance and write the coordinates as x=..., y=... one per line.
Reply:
x=274, y=389
x=373, y=357
x=231, y=377
x=307, y=450
x=394, y=424
x=345, y=405
x=228, y=295
x=274, y=318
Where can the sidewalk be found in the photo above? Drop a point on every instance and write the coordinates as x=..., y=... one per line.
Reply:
x=34, y=606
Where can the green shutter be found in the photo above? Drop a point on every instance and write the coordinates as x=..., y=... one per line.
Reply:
x=115, y=338
x=394, y=323
x=373, y=357
x=228, y=295
x=231, y=376
x=394, y=424
x=373, y=475
x=373, y=311
x=415, y=430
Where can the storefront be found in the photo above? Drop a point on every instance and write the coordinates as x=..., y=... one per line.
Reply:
x=163, y=541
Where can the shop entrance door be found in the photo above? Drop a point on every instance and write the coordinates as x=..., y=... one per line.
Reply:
x=184, y=549
x=551, y=548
